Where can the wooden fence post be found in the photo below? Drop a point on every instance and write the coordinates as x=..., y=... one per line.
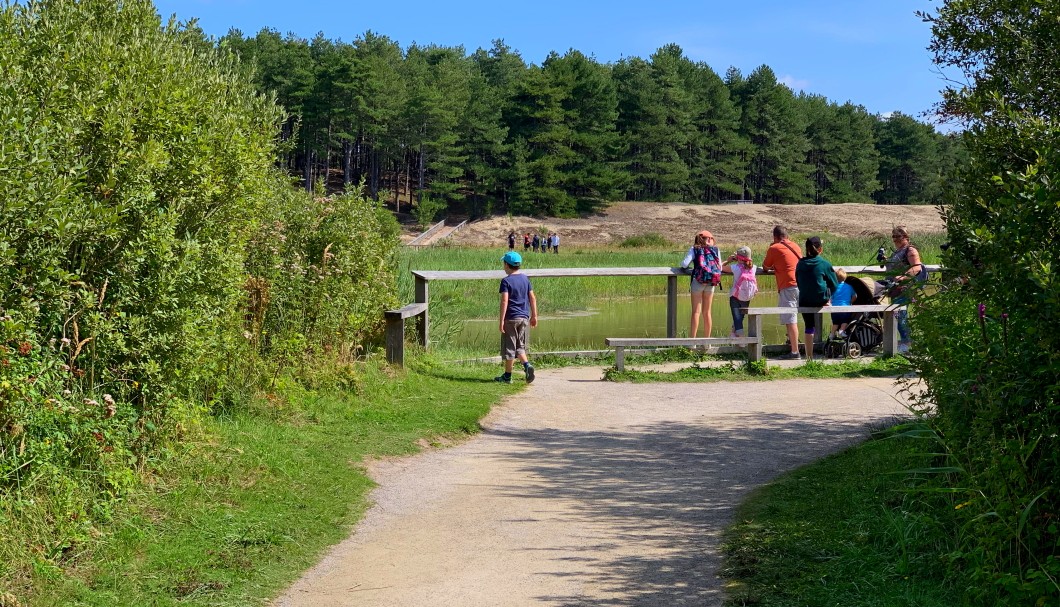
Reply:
x=754, y=329
x=422, y=296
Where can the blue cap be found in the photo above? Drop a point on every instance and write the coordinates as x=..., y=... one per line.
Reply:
x=512, y=258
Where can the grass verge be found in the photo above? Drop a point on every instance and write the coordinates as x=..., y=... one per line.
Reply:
x=847, y=530
x=737, y=370
x=243, y=512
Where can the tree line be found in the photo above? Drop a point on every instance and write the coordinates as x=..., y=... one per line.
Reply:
x=487, y=132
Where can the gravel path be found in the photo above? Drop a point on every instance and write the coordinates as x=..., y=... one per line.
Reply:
x=582, y=492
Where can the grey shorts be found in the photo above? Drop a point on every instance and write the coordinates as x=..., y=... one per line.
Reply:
x=698, y=287
x=513, y=342
x=788, y=298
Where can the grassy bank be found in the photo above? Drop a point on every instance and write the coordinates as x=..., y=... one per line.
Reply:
x=246, y=508
x=737, y=370
x=847, y=530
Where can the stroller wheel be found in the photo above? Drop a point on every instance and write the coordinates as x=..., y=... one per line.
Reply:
x=853, y=349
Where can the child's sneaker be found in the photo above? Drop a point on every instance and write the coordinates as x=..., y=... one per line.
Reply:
x=505, y=378
x=841, y=334
x=529, y=374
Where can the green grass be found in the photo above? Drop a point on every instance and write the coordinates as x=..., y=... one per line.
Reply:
x=245, y=510
x=847, y=530
x=741, y=370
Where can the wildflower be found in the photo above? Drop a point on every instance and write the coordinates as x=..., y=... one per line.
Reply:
x=67, y=393
x=24, y=348
x=90, y=402
x=65, y=341
x=112, y=408
x=982, y=311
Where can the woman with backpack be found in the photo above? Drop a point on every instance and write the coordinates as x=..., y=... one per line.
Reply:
x=705, y=260
x=744, y=287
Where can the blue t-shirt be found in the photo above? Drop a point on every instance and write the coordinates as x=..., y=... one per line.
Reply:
x=518, y=288
x=843, y=295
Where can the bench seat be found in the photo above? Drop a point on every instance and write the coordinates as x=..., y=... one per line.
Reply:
x=621, y=343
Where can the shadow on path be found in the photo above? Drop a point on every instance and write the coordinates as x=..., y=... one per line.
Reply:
x=670, y=488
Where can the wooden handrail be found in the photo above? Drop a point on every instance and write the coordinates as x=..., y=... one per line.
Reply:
x=429, y=275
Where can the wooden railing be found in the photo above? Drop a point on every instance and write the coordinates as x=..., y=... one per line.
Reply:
x=423, y=278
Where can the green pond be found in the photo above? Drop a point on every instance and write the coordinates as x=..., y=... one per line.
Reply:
x=627, y=317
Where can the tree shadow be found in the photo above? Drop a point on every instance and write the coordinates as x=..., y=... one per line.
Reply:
x=665, y=491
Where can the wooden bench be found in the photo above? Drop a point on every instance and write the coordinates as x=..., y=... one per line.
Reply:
x=395, y=330
x=753, y=322
x=621, y=343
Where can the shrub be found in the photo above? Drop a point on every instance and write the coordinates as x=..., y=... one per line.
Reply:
x=990, y=342
x=136, y=164
x=321, y=270
x=644, y=241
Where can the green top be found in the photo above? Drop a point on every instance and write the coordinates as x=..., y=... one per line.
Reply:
x=816, y=280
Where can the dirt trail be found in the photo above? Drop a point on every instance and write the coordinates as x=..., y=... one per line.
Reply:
x=582, y=492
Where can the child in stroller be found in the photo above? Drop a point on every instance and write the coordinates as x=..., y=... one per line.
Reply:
x=863, y=332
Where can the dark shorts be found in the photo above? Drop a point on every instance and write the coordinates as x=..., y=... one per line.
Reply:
x=513, y=342
x=810, y=320
x=842, y=318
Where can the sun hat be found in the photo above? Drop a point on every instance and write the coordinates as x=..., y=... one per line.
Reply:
x=743, y=253
x=705, y=234
x=512, y=258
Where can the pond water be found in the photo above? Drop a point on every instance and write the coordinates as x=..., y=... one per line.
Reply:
x=627, y=317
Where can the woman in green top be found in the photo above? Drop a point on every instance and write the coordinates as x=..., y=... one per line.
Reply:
x=817, y=282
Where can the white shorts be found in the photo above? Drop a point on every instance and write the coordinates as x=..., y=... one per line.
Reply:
x=788, y=298
x=698, y=287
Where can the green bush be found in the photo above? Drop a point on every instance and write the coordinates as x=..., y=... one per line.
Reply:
x=989, y=341
x=321, y=270
x=153, y=260
x=989, y=345
x=643, y=241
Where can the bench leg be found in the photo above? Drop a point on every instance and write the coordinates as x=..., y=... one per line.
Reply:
x=671, y=306
x=620, y=358
x=890, y=333
x=395, y=341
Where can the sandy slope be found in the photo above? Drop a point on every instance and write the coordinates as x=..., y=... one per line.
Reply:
x=731, y=224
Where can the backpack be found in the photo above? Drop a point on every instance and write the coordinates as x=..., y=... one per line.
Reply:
x=706, y=268
x=746, y=287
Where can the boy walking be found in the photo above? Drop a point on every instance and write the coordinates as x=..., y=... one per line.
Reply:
x=518, y=314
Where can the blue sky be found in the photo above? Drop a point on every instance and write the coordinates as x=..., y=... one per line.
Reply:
x=872, y=53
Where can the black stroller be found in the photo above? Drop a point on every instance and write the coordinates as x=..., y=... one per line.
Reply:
x=865, y=332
